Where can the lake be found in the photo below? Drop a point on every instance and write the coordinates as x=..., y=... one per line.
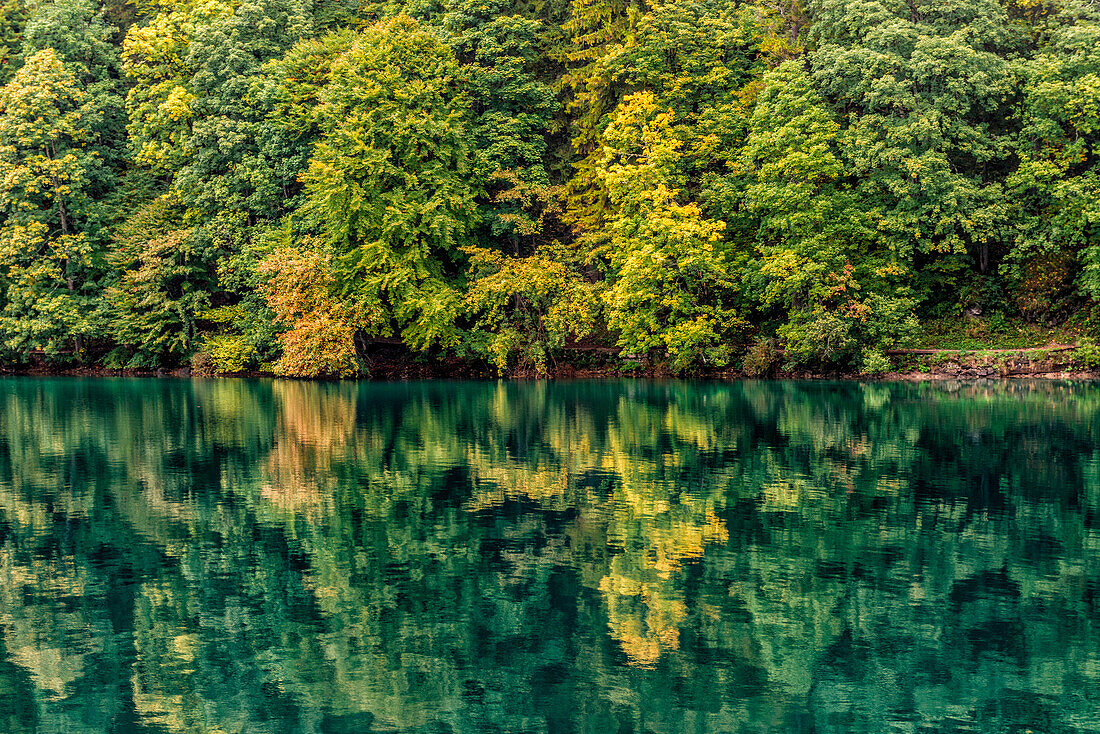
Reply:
x=248, y=556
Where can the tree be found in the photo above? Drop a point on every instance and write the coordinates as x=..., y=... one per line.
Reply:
x=158, y=293
x=526, y=308
x=77, y=32
x=13, y=18
x=390, y=182
x=320, y=337
x=670, y=284
x=1056, y=188
x=226, y=174
x=290, y=91
x=510, y=112
x=161, y=99
x=818, y=256
x=925, y=91
x=692, y=56
x=46, y=257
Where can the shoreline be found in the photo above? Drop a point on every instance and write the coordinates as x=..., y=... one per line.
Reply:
x=972, y=368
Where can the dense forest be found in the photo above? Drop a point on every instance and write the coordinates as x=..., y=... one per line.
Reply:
x=279, y=184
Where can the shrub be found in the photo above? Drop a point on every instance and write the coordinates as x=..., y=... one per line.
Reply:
x=1087, y=352
x=824, y=337
x=874, y=362
x=761, y=357
x=319, y=340
x=229, y=352
x=694, y=343
x=202, y=365
x=1046, y=285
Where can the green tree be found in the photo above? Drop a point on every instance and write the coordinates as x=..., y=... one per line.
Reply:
x=160, y=100
x=290, y=90
x=926, y=91
x=83, y=41
x=158, y=293
x=391, y=184
x=78, y=34
x=13, y=18
x=510, y=111
x=818, y=256
x=225, y=173
x=1056, y=188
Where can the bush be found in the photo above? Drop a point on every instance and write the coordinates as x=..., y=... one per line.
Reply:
x=202, y=365
x=824, y=337
x=1087, y=352
x=694, y=343
x=525, y=309
x=844, y=335
x=230, y=352
x=761, y=357
x=888, y=322
x=874, y=362
x=1046, y=285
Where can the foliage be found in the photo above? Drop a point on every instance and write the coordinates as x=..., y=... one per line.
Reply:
x=835, y=331
x=872, y=362
x=390, y=181
x=157, y=296
x=13, y=18
x=526, y=308
x=760, y=358
x=229, y=353
x=1057, y=184
x=319, y=340
x=1087, y=352
x=513, y=180
x=78, y=34
x=927, y=91
x=45, y=248
x=672, y=288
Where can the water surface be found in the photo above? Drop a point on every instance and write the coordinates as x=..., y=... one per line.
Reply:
x=253, y=556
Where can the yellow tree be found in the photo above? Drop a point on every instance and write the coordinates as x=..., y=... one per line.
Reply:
x=670, y=282
x=44, y=254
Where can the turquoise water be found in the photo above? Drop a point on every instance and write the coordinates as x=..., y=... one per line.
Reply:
x=604, y=557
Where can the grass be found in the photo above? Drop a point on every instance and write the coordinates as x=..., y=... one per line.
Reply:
x=924, y=362
x=992, y=333
x=987, y=342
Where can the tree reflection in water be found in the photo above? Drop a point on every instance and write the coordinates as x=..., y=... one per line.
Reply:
x=253, y=556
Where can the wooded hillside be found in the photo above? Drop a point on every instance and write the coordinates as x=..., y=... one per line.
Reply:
x=272, y=184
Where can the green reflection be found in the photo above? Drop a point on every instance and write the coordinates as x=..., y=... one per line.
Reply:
x=249, y=556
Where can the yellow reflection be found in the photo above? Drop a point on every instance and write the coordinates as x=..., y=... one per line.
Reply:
x=314, y=429
x=52, y=644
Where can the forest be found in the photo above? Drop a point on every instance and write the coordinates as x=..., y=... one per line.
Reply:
x=277, y=185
